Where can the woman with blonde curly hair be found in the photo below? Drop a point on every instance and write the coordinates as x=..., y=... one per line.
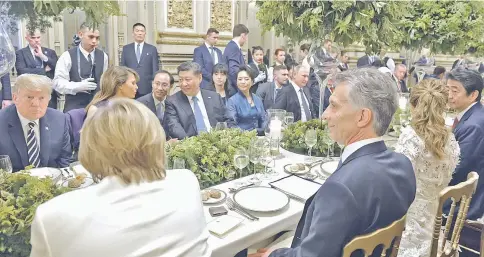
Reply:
x=434, y=153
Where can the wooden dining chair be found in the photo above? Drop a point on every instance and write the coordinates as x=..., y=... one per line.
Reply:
x=384, y=237
x=460, y=194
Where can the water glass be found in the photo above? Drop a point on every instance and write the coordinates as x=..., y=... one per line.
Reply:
x=178, y=163
x=289, y=118
x=265, y=159
x=5, y=163
x=275, y=153
x=310, y=138
x=254, y=159
x=221, y=126
x=329, y=143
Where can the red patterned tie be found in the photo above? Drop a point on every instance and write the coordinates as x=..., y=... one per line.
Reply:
x=456, y=121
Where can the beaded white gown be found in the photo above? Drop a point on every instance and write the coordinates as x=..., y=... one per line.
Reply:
x=432, y=176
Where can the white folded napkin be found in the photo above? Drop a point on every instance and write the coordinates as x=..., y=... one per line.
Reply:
x=223, y=224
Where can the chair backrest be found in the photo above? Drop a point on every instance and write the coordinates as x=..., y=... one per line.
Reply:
x=76, y=120
x=383, y=236
x=460, y=194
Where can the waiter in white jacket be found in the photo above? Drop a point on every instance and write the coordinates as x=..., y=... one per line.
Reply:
x=78, y=71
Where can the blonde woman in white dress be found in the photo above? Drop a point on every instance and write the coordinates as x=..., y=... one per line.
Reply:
x=434, y=153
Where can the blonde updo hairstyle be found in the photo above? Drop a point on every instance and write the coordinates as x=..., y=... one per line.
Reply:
x=428, y=100
x=123, y=139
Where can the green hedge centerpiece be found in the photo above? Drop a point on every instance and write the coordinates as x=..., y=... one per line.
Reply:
x=210, y=155
x=20, y=194
x=293, y=138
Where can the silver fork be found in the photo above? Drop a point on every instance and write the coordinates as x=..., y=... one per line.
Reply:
x=233, y=207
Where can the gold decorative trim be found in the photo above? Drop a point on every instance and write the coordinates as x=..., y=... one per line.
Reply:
x=181, y=42
x=180, y=14
x=221, y=15
x=163, y=34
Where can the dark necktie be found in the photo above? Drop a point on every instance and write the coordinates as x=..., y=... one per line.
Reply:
x=89, y=59
x=212, y=53
x=198, y=116
x=305, y=105
x=38, y=61
x=456, y=121
x=32, y=146
x=275, y=93
x=160, y=111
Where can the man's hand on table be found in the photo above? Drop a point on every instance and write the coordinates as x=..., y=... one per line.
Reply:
x=264, y=252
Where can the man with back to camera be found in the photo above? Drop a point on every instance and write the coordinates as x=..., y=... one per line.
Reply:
x=79, y=70
x=233, y=56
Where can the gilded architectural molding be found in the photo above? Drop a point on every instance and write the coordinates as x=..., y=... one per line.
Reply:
x=189, y=35
x=180, y=14
x=185, y=42
x=221, y=15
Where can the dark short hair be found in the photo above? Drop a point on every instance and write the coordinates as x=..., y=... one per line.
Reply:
x=190, y=66
x=279, y=67
x=290, y=65
x=343, y=52
x=172, y=80
x=305, y=47
x=439, y=70
x=257, y=48
x=139, y=24
x=220, y=68
x=470, y=79
x=249, y=71
x=240, y=29
x=212, y=30
x=278, y=50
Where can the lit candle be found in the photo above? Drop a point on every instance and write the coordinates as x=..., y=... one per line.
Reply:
x=402, y=103
x=275, y=128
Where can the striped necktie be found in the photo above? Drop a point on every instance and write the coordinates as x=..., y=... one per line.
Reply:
x=33, y=146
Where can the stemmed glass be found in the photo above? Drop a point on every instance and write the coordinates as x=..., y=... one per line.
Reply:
x=265, y=159
x=329, y=143
x=254, y=159
x=5, y=163
x=241, y=160
x=310, y=138
x=274, y=150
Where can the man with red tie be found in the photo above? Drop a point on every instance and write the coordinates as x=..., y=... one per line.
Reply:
x=465, y=87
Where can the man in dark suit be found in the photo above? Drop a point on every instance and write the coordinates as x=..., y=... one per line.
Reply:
x=233, y=56
x=399, y=73
x=162, y=84
x=296, y=98
x=35, y=59
x=372, y=186
x=366, y=61
x=5, y=91
x=465, y=87
x=343, y=61
x=269, y=90
x=193, y=110
x=32, y=133
x=141, y=57
x=207, y=55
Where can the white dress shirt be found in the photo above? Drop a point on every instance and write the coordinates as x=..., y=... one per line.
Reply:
x=62, y=82
x=350, y=149
x=25, y=126
x=461, y=114
x=158, y=219
x=215, y=55
x=303, y=113
x=201, y=104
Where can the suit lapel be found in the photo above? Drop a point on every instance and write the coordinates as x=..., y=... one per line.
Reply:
x=185, y=105
x=143, y=52
x=44, y=141
x=30, y=57
x=151, y=103
x=207, y=54
x=207, y=100
x=17, y=135
x=272, y=88
x=468, y=114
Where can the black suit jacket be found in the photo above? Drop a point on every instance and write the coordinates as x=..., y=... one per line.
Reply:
x=149, y=102
x=287, y=100
x=202, y=56
x=26, y=64
x=372, y=188
x=255, y=87
x=234, y=58
x=146, y=68
x=6, y=89
x=180, y=120
x=266, y=92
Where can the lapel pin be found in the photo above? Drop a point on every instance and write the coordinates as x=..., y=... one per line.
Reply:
x=46, y=128
x=209, y=97
x=147, y=53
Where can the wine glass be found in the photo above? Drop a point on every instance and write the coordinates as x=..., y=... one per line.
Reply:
x=221, y=126
x=274, y=150
x=178, y=163
x=289, y=118
x=265, y=158
x=241, y=160
x=5, y=163
x=254, y=159
x=329, y=143
x=310, y=138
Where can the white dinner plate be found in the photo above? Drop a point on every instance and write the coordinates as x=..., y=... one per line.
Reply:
x=329, y=167
x=261, y=199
